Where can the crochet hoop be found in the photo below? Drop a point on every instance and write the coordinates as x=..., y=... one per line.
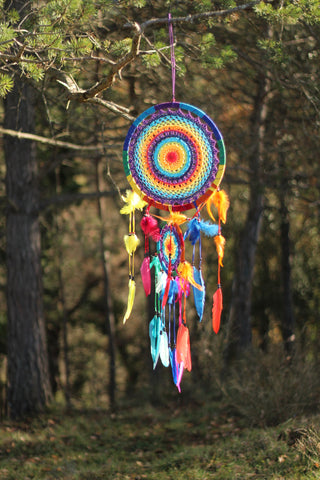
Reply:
x=174, y=156
x=170, y=246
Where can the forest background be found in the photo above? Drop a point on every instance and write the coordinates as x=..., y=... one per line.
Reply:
x=74, y=75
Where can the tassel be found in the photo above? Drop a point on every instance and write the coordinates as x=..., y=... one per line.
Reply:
x=149, y=226
x=217, y=309
x=220, y=241
x=132, y=290
x=131, y=242
x=146, y=275
x=185, y=272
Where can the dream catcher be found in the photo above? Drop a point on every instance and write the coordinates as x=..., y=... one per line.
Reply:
x=174, y=159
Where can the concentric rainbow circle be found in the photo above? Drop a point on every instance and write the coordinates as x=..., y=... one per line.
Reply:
x=170, y=246
x=174, y=156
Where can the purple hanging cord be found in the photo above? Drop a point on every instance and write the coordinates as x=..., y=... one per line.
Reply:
x=173, y=60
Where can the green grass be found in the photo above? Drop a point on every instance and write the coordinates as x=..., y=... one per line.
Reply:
x=194, y=443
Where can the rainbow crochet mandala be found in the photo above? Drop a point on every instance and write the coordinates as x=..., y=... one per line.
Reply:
x=171, y=156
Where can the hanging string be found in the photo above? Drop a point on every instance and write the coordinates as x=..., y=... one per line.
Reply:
x=173, y=60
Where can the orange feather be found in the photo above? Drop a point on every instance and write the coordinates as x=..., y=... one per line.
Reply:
x=221, y=201
x=216, y=310
x=185, y=271
x=220, y=242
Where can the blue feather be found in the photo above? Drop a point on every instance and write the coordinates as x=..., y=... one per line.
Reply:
x=209, y=229
x=198, y=295
x=193, y=231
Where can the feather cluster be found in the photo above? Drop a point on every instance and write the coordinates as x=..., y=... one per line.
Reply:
x=133, y=202
x=221, y=201
x=197, y=226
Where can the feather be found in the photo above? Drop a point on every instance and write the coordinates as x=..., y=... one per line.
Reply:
x=146, y=275
x=156, y=264
x=193, y=231
x=173, y=291
x=164, y=348
x=180, y=373
x=185, y=272
x=154, y=329
x=161, y=282
x=208, y=229
x=133, y=201
x=222, y=204
x=217, y=309
x=131, y=242
x=149, y=226
x=183, y=347
x=209, y=203
x=131, y=295
x=220, y=242
x=175, y=218
x=199, y=295
x=174, y=365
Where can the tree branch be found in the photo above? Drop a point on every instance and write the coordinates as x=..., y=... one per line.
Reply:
x=67, y=199
x=80, y=95
x=198, y=16
x=50, y=141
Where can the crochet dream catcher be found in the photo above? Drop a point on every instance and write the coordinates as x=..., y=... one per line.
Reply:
x=174, y=159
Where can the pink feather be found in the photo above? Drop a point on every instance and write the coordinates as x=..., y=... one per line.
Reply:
x=149, y=226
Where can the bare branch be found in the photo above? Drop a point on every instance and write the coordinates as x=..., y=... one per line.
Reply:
x=51, y=141
x=198, y=16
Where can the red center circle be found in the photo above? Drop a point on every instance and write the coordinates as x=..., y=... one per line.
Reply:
x=172, y=157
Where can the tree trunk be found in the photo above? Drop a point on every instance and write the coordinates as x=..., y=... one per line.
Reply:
x=28, y=379
x=287, y=324
x=239, y=325
x=109, y=315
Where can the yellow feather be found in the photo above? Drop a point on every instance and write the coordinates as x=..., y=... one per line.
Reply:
x=220, y=242
x=175, y=218
x=131, y=242
x=131, y=295
x=133, y=202
x=185, y=271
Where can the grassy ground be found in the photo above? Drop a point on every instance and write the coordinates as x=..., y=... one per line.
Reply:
x=194, y=443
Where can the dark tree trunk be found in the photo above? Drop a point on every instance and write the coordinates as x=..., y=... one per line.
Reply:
x=28, y=380
x=109, y=315
x=287, y=324
x=239, y=325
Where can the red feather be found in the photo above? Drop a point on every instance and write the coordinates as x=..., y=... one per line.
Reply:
x=149, y=226
x=216, y=310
